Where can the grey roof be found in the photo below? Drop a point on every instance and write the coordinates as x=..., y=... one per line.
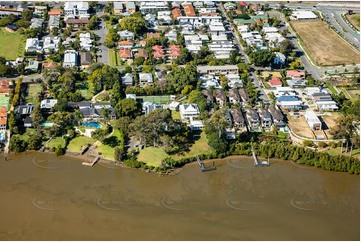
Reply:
x=244, y=94
x=234, y=94
x=85, y=58
x=220, y=95
x=252, y=114
x=237, y=116
x=208, y=94
x=276, y=113
x=25, y=109
x=129, y=5
x=264, y=114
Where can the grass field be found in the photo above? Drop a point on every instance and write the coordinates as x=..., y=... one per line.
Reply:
x=354, y=19
x=325, y=46
x=176, y=115
x=330, y=87
x=76, y=143
x=12, y=45
x=108, y=145
x=153, y=156
x=337, y=151
x=155, y=99
x=56, y=142
x=33, y=90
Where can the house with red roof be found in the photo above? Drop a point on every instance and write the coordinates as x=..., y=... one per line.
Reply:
x=126, y=44
x=3, y=118
x=295, y=74
x=153, y=35
x=5, y=87
x=55, y=12
x=176, y=13
x=142, y=53
x=189, y=10
x=158, y=51
x=243, y=4
x=275, y=82
x=174, y=51
x=125, y=54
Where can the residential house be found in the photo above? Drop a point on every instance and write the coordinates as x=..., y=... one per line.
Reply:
x=3, y=118
x=86, y=42
x=210, y=81
x=11, y=28
x=40, y=10
x=70, y=58
x=279, y=59
x=221, y=98
x=164, y=17
x=176, y=13
x=174, y=105
x=189, y=10
x=326, y=105
x=36, y=23
x=151, y=107
x=303, y=15
x=153, y=35
x=93, y=111
x=126, y=44
x=252, y=119
x=312, y=120
x=208, y=95
x=28, y=122
x=244, y=95
x=230, y=6
x=126, y=35
x=277, y=117
x=171, y=35
x=118, y=8
x=145, y=78
x=85, y=59
x=234, y=81
x=238, y=120
x=266, y=119
x=5, y=87
x=217, y=70
x=49, y=65
x=76, y=23
x=188, y=111
x=128, y=80
x=196, y=125
x=151, y=7
x=76, y=9
x=142, y=53
x=174, y=51
x=233, y=96
x=289, y=103
x=275, y=82
x=24, y=110
x=4, y=12
x=131, y=96
x=51, y=44
x=33, y=66
x=158, y=51
x=125, y=54
x=130, y=7
x=48, y=104
x=296, y=83
x=54, y=21
x=295, y=74
x=54, y=12
x=33, y=44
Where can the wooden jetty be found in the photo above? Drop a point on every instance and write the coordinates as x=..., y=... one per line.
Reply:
x=257, y=162
x=203, y=167
x=91, y=163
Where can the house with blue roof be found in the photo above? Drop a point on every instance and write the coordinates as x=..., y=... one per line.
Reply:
x=289, y=102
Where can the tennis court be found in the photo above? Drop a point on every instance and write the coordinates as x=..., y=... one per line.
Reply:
x=155, y=99
x=4, y=101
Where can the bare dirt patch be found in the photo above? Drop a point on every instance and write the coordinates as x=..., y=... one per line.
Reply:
x=330, y=121
x=325, y=46
x=299, y=126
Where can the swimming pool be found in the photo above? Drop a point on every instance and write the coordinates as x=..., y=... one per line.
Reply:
x=92, y=125
x=47, y=124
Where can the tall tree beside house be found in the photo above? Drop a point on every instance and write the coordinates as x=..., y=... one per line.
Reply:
x=106, y=113
x=345, y=129
x=262, y=57
x=37, y=117
x=219, y=122
x=77, y=117
x=16, y=144
x=133, y=24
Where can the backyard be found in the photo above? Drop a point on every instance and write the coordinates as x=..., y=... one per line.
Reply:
x=108, y=145
x=337, y=151
x=32, y=91
x=76, y=144
x=324, y=45
x=153, y=156
x=299, y=126
x=12, y=45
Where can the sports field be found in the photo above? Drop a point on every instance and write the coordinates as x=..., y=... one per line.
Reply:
x=12, y=45
x=325, y=46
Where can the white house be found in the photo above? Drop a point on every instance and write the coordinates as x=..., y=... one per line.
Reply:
x=171, y=35
x=70, y=58
x=189, y=111
x=54, y=21
x=327, y=105
x=33, y=44
x=145, y=78
x=312, y=120
x=126, y=35
x=76, y=9
x=85, y=41
x=303, y=15
x=289, y=102
x=48, y=103
x=196, y=125
x=153, y=6
x=51, y=43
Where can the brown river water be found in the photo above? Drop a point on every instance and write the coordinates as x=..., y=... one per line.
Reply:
x=44, y=197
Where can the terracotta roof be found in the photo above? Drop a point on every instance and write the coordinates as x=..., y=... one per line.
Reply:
x=295, y=73
x=4, y=86
x=157, y=48
x=3, y=120
x=275, y=81
x=189, y=10
x=125, y=53
x=50, y=65
x=54, y=12
x=158, y=53
x=152, y=35
x=142, y=42
x=238, y=12
x=174, y=47
x=126, y=42
x=176, y=12
x=243, y=4
x=3, y=112
x=175, y=53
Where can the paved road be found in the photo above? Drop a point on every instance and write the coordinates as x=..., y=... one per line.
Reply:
x=26, y=79
x=102, y=54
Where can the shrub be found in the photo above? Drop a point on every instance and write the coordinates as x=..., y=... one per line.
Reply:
x=322, y=144
x=59, y=150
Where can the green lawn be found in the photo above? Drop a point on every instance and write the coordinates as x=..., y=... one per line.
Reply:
x=282, y=135
x=55, y=142
x=330, y=87
x=176, y=115
x=33, y=90
x=155, y=99
x=337, y=151
x=108, y=145
x=76, y=143
x=153, y=156
x=12, y=45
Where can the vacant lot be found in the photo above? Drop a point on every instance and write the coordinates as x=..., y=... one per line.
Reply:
x=300, y=127
x=354, y=19
x=33, y=91
x=324, y=45
x=11, y=44
x=330, y=121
